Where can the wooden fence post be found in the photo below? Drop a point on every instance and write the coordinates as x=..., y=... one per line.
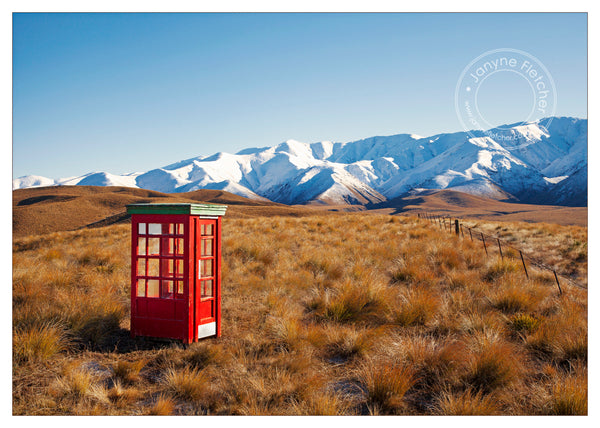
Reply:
x=557, y=283
x=484, y=246
x=500, y=248
x=524, y=267
x=456, y=227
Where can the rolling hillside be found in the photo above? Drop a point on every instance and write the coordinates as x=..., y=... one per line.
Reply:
x=459, y=204
x=60, y=208
x=52, y=209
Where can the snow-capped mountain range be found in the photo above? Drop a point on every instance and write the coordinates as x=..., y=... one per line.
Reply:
x=543, y=162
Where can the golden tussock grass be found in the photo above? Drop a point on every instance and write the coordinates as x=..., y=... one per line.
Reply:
x=39, y=343
x=323, y=404
x=163, y=406
x=187, y=384
x=386, y=383
x=122, y=396
x=353, y=301
x=128, y=371
x=416, y=307
x=466, y=403
x=345, y=314
x=493, y=364
x=568, y=393
x=436, y=363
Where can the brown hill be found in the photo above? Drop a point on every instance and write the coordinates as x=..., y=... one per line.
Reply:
x=51, y=209
x=226, y=198
x=464, y=205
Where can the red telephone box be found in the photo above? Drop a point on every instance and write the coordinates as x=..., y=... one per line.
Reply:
x=176, y=270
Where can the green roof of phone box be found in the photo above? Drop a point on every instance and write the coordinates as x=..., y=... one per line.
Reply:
x=192, y=209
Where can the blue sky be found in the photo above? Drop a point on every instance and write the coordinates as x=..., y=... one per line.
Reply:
x=131, y=92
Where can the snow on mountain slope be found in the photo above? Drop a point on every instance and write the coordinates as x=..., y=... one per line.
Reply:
x=106, y=179
x=476, y=160
x=520, y=162
x=32, y=181
x=91, y=179
x=330, y=184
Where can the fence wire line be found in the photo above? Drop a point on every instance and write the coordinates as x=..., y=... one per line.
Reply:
x=479, y=235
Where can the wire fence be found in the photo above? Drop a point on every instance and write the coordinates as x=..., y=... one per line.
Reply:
x=456, y=227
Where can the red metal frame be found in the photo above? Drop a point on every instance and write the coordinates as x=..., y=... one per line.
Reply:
x=171, y=314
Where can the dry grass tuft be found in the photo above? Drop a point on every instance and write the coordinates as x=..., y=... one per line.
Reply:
x=128, y=372
x=562, y=336
x=121, y=396
x=39, y=343
x=436, y=363
x=511, y=298
x=466, y=403
x=416, y=307
x=187, y=384
x=501, y=268
x=493, y=364
x=323, y=404
x=353, y=302
x=343, y=343
x=76, y=383
x=569, y=394
x=163, y=406
x=202, y=354
x=386, y=383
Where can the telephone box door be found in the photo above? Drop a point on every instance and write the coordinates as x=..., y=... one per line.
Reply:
x=207, y=280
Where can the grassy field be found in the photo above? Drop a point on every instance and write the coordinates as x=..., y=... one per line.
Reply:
x=346, y=314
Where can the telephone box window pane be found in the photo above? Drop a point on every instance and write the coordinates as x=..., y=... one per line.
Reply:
x=141, y=267
x=171, y=229
x=207, y=288
x=179, y=287
x=206, y=268
x=141, y=228
x=179, y=228
x=167, y=246
x=153, y=288
x=153, y=246
x=141, y=288
x=153, y=265
x=207, y=246
x=141, y=246
x=202, y=229
x=179, y=266
x=180, y=246
x=208, y=230
x=154, y=229
x=168, y=267
x=167, y=289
